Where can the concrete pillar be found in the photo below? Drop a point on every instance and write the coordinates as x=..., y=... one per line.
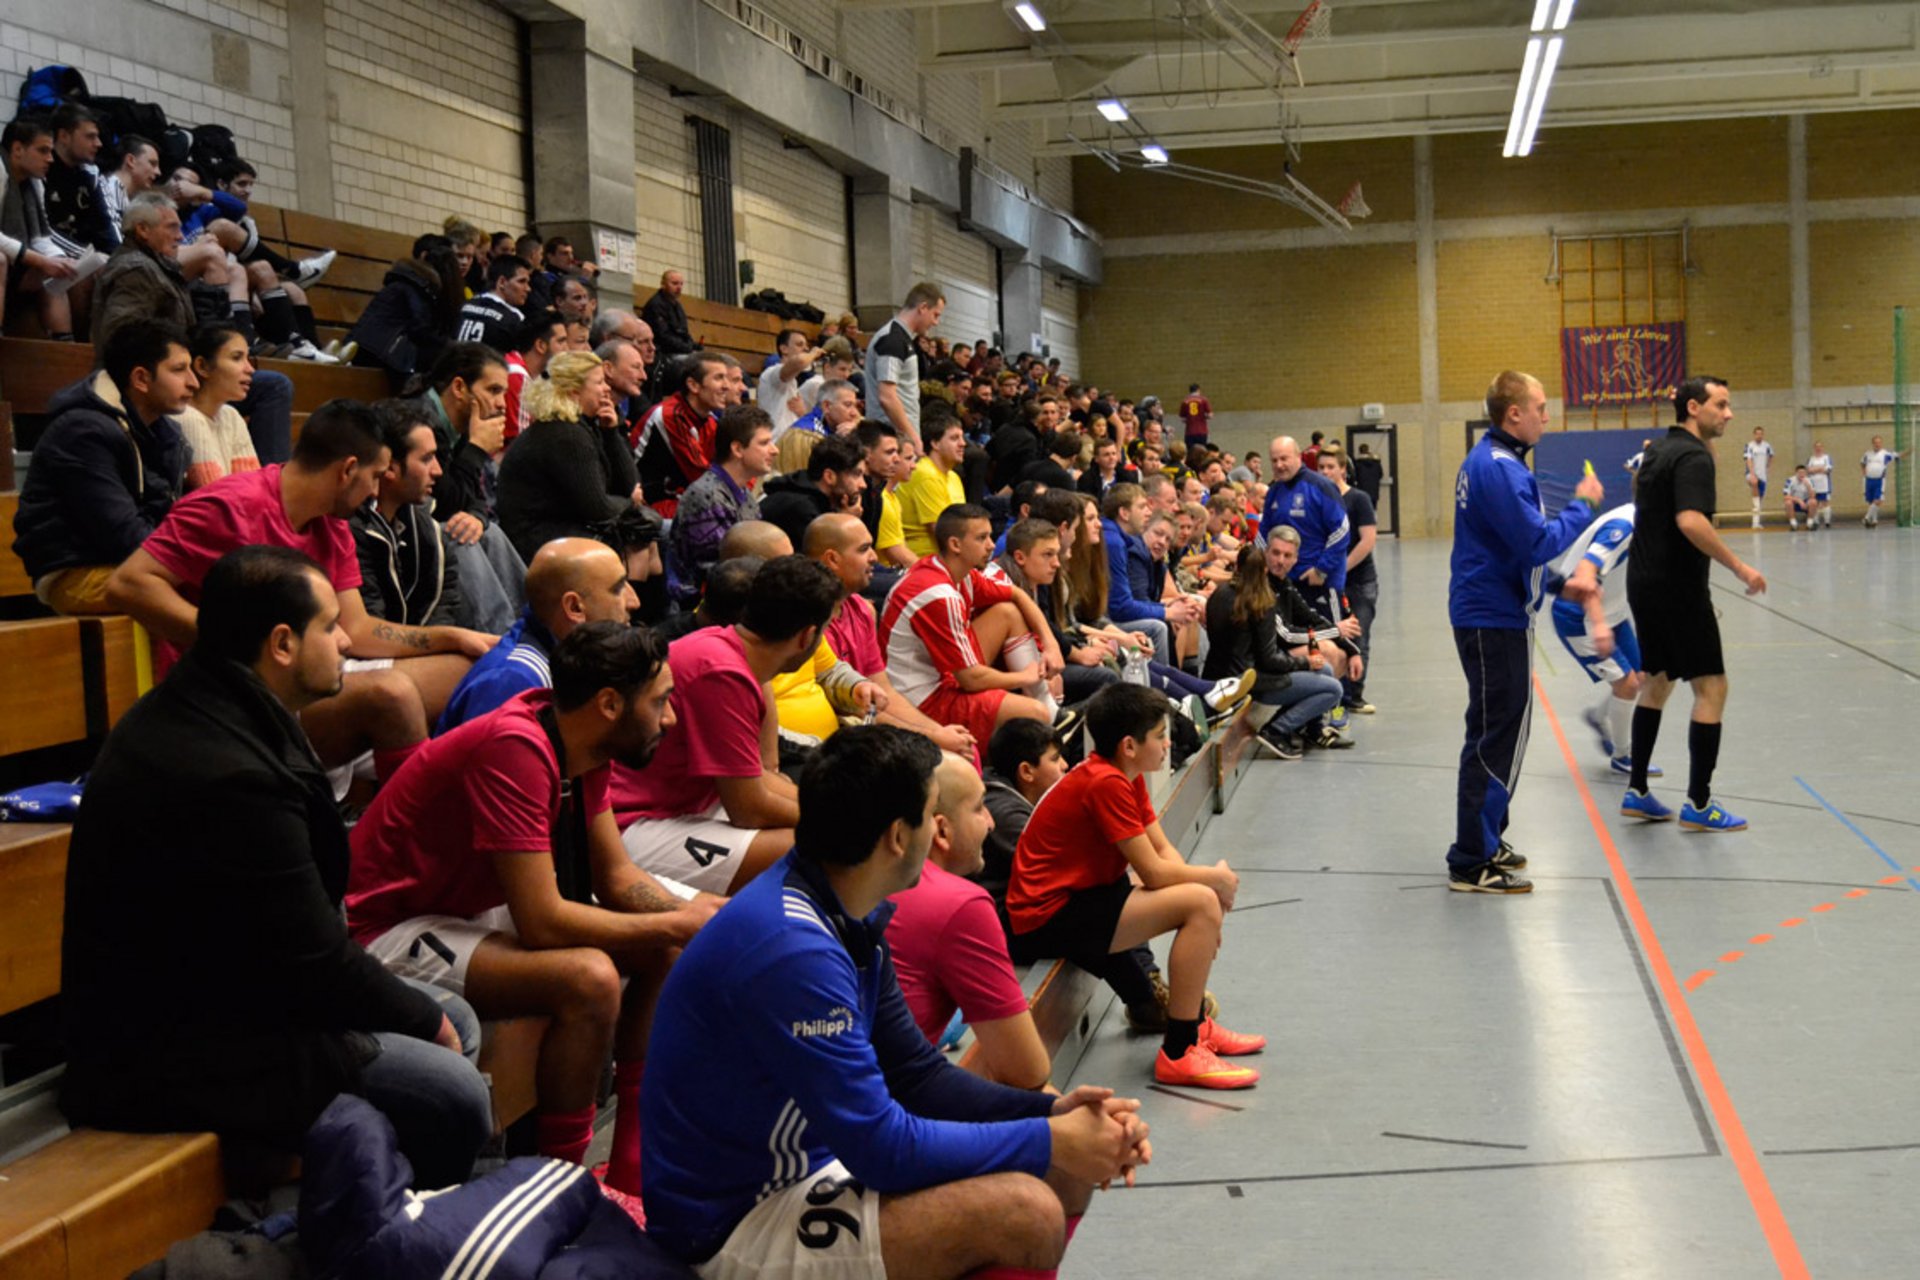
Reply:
x=882, y=248
x=1436, y=492
x=1800, y=268
x=312, y=110
x=582, y=122
x=1022, y=290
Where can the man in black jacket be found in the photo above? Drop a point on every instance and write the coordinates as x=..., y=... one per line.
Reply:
x=107, y=469
x=207, y=975
x=407, y=569
x=668, y=319
x=835, y=479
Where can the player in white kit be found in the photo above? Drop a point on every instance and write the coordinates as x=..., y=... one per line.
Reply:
x=1873, y=469
x=1798, y=492
x=1820, y=476
x=1599, y=634
x=1759, y=456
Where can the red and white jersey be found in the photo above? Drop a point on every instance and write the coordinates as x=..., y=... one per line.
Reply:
x=927, y=629
x=516, y=396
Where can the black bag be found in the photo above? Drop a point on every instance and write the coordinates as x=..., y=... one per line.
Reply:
x=47, y=88
x=808, y=312
x=213, y=150
x=121, y=117
x=176, y=149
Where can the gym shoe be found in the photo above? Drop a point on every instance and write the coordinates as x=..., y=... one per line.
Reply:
x=1231, y=691
x=1209, y=1006
x=1067, y=722
x=1229, y=1044
x=1624, y=765
x=1488, y=878
x=1362, y=708
x=1145, y=1020
x=311, y=269
x=1714, y=817
x=1337, y=718
x=1331, y=739
x=1643, y=805
x=1201, y=1068
x=1279, y=746
x=1597, y=722
x=301, y=349
x=1508, y=858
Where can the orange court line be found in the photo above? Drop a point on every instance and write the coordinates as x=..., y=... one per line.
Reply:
x=1746, y=1161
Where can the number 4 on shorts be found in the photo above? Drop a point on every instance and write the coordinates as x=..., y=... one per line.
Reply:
x=705, y=851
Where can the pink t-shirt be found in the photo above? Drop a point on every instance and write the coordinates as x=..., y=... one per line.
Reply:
x=242, y=510
x=426, y=844
x=854, y=635
x=950, y=952
x=718, y=707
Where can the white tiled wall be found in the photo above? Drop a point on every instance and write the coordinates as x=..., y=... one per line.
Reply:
x=962, y=264
x=1060, y=323
x=665, y=190
x=790, y=218
x=880, y=45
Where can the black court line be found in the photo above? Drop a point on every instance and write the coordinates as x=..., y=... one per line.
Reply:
x=1205, y=1102
x=1844, y=1151
x=1454, y=1142
x=1277, y=902
x=1708, y=1139
x=1826, y=635
x=1334, y=1176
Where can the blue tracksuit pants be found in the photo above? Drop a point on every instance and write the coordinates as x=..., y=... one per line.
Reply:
x=1499, y=667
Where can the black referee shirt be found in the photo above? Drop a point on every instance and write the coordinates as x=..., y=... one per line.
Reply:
x=1677, y=476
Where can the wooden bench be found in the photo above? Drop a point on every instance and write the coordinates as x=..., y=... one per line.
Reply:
x=364, y=256
x=43, y=702
x=31, y=372
x=747, y=336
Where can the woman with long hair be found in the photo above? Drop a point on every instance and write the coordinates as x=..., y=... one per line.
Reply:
x=218, y=443
x=570, y=474
x=403, y=327
x=1243, y=629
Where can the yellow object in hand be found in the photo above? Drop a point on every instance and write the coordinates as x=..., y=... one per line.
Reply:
x=1589, y=468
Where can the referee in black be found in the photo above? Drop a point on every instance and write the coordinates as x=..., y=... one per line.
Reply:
x=1674, y=545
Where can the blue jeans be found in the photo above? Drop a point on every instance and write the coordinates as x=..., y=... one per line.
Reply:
x=268, y=409
x=493, y=582
x=438, y=1102
x=1308, y=696
x=1157, y=631
x=1364, y=599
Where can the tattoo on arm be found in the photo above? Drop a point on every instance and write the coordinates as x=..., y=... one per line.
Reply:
x=411, y=637
x=646, y=897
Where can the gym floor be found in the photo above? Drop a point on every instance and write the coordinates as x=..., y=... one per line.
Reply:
x=1684, y=1055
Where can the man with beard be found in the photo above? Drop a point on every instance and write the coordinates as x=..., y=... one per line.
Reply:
x=490, y=866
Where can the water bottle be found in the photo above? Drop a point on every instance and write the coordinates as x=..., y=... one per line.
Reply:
x=1134, y=669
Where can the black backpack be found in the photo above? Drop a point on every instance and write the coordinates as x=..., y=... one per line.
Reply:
x=121, y=117
x=176, y=148
x=213, y=150
x=46, y=88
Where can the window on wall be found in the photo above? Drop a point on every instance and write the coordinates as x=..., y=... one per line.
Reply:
x=713, y=159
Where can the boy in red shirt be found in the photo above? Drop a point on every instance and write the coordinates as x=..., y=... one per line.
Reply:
x=1071, y=895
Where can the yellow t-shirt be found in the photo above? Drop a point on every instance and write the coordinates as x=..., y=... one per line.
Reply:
x=890, y=534
x=923, y=497
x=799, y=701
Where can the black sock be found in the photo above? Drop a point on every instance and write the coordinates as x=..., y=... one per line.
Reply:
x=276, y=316
x=1646, y=727
x=59, y=337
x=243, y=319
x=1182, y=1035
x=1703, y=751
x=303, y=321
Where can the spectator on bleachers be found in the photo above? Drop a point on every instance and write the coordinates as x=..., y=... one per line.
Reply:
x=139, y=170
x=471, y=252
x=277, y=284
x=1309, y=503
x=183, y=860
x=71, y=188
x=836, y=411
x=34, y=258
x=948, y=947
x=404, y=327
x=1363, y=578
x=880, y=504
x=1071, y=894
x=408, y=573
x=1132, y=600
x=947, y=624
x=677, y=442
x=490, y=867
x=572, y=581
x=540, y=337
x=834, y=480
x=108, y=467
x=667, y=318
x=934, y=484
x=496, y=316
x=737, y=390
x=1032, y=563
x=217, y=439
x=384, y=707
x=626, y=386
x=577, y=298
x=778, y=391
x=725, y=601
x=712, y=811
x=840, y=542
x=1290, y=693
x=857, y=1085
x=893, y=364
x=1325, y=644
x=567, y=476
x=1106, y=470
x=838, y=363
x=724, y=496
x=1055, y=470
x=1023, y=761
x=529, y=249
x=1022, y=440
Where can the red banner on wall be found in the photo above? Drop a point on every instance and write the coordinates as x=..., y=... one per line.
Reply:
x=1622, y=364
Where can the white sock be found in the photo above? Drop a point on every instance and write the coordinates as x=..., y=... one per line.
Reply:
x=1620, y=724
x=1024, y=651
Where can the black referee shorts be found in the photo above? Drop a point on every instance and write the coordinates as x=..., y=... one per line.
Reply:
x=1679, y=635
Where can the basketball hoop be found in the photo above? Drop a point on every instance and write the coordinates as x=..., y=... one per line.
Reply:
x=1353, y=204
x=1314, y=23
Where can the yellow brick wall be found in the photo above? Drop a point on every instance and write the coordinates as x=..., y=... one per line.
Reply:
x=1861, y=271
x=1496, y=312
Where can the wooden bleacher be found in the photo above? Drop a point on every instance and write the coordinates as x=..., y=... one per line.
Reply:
x=747, y=336
x=365, y=255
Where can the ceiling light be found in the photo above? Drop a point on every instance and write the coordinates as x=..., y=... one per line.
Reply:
x=1113, y=109
x=1030, y=16
x=1563, y=15
x=1522, y=96
x=1540, y=95
x=1541, y=8
x=1154, y=153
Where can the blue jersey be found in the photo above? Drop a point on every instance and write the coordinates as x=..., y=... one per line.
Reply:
x=782, y=1042
x=1502, y=538
x=1606, y=545
x=1310, y=503
x=518, y=663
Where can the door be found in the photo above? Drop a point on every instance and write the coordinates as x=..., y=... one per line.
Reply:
x=1381, y=440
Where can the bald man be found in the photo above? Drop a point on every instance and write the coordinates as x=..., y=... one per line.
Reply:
x=949, y=950
x=571, y=581
x=840, y=541
x=750, y=539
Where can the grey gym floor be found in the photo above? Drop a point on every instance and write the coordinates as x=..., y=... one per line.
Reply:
x=1468, y=1085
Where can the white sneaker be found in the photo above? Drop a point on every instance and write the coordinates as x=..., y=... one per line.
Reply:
x=1756, y=522
x=311, y=269
x=301, y=349
x=1225, y=693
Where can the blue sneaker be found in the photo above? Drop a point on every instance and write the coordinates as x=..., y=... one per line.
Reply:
x=1712, y=818
x=1642, y=805
x=1624, y=765
x=1598, y=723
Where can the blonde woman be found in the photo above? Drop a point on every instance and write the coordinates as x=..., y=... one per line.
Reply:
x=570, y=474
x=795, y=449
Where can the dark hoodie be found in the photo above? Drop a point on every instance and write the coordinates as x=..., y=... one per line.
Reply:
x=101, y=480
x=400, y=329
x=1010, y=810
x=792, y=501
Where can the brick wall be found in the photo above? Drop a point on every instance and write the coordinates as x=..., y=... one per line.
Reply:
x=963, y=265
x=666, y=193
x=1060, y=323
x=790, y=218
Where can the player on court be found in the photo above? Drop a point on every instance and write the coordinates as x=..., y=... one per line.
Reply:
x=1759, y=456
x=1598, y=632
x=1873, y=470
x=1798, y=492
x=1639, y=459
x=1820, y=476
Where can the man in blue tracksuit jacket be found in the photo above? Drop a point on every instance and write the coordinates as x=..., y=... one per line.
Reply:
x=794, y=1113
x=1502, y=541
x=1310, y=503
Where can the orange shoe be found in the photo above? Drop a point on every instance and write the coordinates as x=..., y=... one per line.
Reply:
x=1201, y=1068
x=1229, y=1044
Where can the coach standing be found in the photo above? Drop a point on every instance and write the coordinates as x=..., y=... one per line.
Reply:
x=1674, y=546
x=1501, y=541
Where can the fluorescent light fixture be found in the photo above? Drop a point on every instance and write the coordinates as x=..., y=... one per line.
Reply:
x=1562, y=15
x=1113, y=109
x=1030, y=16
x=1551, y=61
x=1522, y=96
x=1154, y=153
x=1541, y=8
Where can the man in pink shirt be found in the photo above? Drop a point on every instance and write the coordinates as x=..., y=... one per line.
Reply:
x=949, y=949
x=713, y=810
x=398, y=679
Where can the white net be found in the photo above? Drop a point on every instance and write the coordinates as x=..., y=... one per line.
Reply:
x=1353, y=204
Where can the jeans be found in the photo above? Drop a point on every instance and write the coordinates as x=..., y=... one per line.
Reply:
x=1364, y=599
x=268, y=409
x=493, y=582
x=1308, y=696
x=1155, y=630
x=1079, y=683
x=1176, y=683
x=439, y=1105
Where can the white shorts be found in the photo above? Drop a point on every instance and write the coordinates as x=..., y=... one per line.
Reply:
x=703, y=850
x=361, y=766
x=436, y=950
x=824, y=1227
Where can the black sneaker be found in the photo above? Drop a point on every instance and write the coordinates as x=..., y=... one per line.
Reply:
x=1278, y=746
x=1508, y=858
x=1067, y=722
x=1488, y=878
x=1331, y=739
